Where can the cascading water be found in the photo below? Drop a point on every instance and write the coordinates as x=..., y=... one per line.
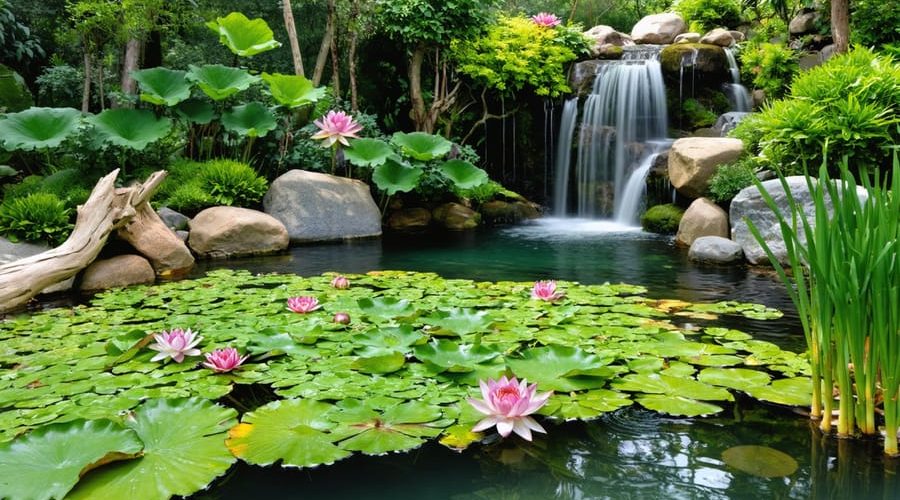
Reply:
x=737, y=93
x=624, y=112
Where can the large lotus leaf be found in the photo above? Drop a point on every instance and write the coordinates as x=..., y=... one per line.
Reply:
x=400, y=338
x=270, y=342
x=463, y=174
x=421, y=145
x=219, y=82
x=379, y=361
x=398, y=428
x=760, y=461
x=292, y=91
x=562, y=368
x=461, y=321
x=367, y=152
x=252, y=120
x=163, y=86
x=47, y=462
x=741, y=379
x=455, y=358
x=38, y=128
x=243, y=36
x=130, y=128
x=676, y=348
x=677, y=405
x=184, y=451
x=385, y=307
x=196, y=111
x=393, y=177
x=789, y=391
x=585, y=405
x=295, y=431
x=656, y=383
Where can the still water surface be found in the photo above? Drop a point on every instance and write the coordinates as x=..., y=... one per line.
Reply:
x=630, y=454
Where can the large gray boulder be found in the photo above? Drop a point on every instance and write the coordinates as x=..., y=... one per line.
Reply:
x=702, y=218
x=750, y=205
x=322, y=207
x=804, y=22
x=607, y=42
x=694, y=160
x=116, y=272
x=10, y=252
x=232, y=231
x=726, y=122
x=658, y=28
x=715, y=250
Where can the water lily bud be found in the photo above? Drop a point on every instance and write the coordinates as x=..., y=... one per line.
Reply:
x=342, y=318
x=340, y=282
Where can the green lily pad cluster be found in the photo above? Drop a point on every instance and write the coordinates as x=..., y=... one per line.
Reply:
x=315, y=391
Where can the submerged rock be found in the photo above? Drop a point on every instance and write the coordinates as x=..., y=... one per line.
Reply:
x=409, y=219
x=117, y=272
x=658, y=28
x=702, y=218
x=508, y=212
x=715, y=250
x=456, y=217
x=233, y=231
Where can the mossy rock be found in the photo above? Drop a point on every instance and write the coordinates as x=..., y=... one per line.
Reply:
x=710, y=65
x=14, y=94
x=663, y=219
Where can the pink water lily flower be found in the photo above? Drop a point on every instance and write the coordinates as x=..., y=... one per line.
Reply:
x=546, y=290
x=336, y=126
x=303, y=304
x=340, y=282
x=224, y=360
x=507, y=404
x=545, y=20
x=175, y=344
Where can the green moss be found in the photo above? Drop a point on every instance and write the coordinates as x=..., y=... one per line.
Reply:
x=663, y=219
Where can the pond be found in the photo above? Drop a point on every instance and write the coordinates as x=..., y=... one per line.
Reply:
x=630, y=453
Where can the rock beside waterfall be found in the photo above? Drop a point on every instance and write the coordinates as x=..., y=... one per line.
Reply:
x=718, y=36
x=658, y=28
x=694, y=160
x=704, y=61
x=702, y=218
x=322, y=207
x=687, y=38
x=583, y=75
x=456, y=217
x=738, y=36
x=715, y=250
x=607, y=42
x=728, y=121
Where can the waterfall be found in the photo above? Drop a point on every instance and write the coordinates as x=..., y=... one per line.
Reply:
x=737, y=93
x=625, y=110
x=564, y=156
x=630, y=205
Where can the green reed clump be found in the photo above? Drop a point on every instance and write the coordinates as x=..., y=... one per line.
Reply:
x=845, y=283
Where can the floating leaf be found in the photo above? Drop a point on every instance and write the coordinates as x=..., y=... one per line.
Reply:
x=252, y=120
x=587, y=405
x=218, y=81
x=654, y=383
x=455, y=358
x=741, y=379
x=163, y=86
x=367, y=152
x=461, y=321
x=130, y=128
x=398, y=428
x=677, y=405
x=184, y=451
x=385, y=307
x=292, y=91
x=243, y=36
x=463, y=174
x=272, y=343
x=400, y=338
x=422, y=146
x=760, y=461
x=792, y=392
x=380, y=363
x=295, y=431
x=563, y=368
x=47, y=462
x=38, y=128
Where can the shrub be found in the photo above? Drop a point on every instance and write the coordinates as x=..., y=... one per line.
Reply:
x=770, y=67
x=233, y=183
x=38, y=217
x=188, y=198
x=704, y=15
x=60, y=86
x=874, y=22
x=663, y=219
x=730, y=179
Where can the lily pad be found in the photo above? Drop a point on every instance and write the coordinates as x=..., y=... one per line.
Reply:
x=791, y=391
x=385, y=307
x=394, y=176
x=455, y=358
x=563, y=368
x=677, y=405
x=463, y=174
x=741, y=379
x=401, y=338
x=760, y=461
x=398, y=428
x=461, y=321
x=654, y=383
x=380, y=362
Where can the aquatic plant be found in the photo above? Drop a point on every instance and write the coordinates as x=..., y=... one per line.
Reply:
x=303, y=304
x=224, y=360
x=336, y=127
x=340, y=282
x=508, y=404
x=342, y=318
x=546, y=290
x=545, y=20
x=176, y=344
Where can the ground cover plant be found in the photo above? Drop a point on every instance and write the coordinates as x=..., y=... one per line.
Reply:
x=324, y=367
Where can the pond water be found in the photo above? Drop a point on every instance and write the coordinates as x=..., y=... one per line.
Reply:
x=631, y=453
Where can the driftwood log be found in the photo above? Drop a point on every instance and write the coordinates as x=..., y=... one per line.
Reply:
x=106, y=210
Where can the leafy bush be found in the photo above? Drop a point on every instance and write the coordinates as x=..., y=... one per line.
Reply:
x=730, y=179
x=60, y=86
x=663, y=219
x=696, y=115
x=486, y=192
x=38, y=217
x=770, y=66
x=188, y=198
x=849, y=105
x=874, y=22
x=704, y=15
x=233, y=183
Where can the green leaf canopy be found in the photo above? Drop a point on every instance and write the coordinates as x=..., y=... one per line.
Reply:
x=292, y=91
x=47, y=462
x=422, y=146
x=196, y=111
x=220, y=82
x=243, y=36
x=38, y=128
x=463, y=174
x=393, y=177
x=163, y=86
x=130, y=128
x=252, y=119
x=367, y=152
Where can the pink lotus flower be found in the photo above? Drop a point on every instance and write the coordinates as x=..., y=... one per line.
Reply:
x=507, y=404
x=224, y=360
x=303, y=305
x=175, y=344
x=340, y=282
x=546, y=290
x=342, y=318
x=336, y=126
x=546, y=20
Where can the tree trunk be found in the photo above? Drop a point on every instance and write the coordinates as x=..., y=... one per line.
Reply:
x=292, y=37
x=351, y=55
x=86, y=93
x=325, y=46
x=105, y=210
x=335, y=67
x=131, y=63
x=840, y=25
x=418, y=112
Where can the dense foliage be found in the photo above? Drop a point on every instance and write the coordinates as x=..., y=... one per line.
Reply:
x=38, y=217
x=663, y=219
x=703, y=15
x=192, y=186
x=769, y=66
x=730, y=179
